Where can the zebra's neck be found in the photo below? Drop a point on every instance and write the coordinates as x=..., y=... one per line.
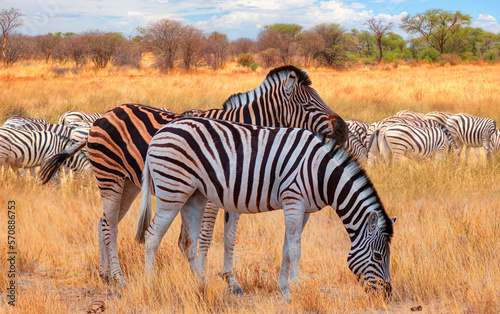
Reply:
x=348, y=190
x=59, y=129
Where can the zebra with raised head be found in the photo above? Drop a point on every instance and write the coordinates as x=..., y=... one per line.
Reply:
x=259, y=169
x=471, y=131
x=118, y=142
x=414, y=142
x=408, y=114
x=28, y=149
x=72, y=116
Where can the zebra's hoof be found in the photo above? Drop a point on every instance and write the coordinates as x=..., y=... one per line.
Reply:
x=236, y=289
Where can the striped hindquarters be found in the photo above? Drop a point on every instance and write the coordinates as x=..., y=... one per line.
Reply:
x=73, y=116
x=415, y=142
x=27, y=149
x=470, y=130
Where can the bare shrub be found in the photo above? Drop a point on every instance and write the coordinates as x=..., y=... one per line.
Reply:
x=102, y=46
x=452, y=58
x=128, y=54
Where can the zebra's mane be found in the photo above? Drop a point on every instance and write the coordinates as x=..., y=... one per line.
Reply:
x=240, y=99
x=352, y=168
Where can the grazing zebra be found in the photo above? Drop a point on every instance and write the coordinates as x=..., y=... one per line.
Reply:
x=24, y=123
x=377, y=129
x=258, y=169
x=118, y=142
x=359, y=128
x=28, y=149
x=471, y=131
x=71, y=116
x=411, y=141
x=192, y=112
x=410, y=115
x=438, y=116
x=355, y=147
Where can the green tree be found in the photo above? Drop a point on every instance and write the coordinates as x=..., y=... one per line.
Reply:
x=281, y=37
x=333, y=35
x=436, y=26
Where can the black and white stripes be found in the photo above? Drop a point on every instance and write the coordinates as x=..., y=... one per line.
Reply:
x=250, y=169
x=28, y=149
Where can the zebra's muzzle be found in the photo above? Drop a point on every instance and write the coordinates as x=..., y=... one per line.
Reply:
x=339, y=127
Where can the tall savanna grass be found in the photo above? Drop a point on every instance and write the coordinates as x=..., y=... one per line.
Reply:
x=444, y=254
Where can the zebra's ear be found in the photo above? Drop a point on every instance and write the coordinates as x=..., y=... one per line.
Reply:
x=290, y=82
x=394, y=219
x=372, y=222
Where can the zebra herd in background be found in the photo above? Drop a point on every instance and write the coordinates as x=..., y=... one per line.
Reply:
x=422, y=136
x=25, y=142
x=293, y=169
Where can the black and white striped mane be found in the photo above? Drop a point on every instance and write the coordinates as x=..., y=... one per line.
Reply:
x=240, y=99
x=352, y=168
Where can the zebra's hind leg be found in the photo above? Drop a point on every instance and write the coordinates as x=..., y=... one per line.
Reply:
x=166, y=211
x=230, y=229
x=192, y=215
x=116, y=202
x=206, y=233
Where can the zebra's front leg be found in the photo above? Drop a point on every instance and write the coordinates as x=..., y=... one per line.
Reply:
x=230, y=229
x=295, y=221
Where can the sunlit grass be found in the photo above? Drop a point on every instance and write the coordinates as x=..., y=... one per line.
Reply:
x=447, y=235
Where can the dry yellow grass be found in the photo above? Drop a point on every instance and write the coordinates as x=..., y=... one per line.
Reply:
x=447, y=237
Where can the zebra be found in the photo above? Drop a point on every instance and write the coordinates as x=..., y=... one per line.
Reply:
x=495, y=142
x=71, y=116
x=377, y=129
x=410, y=115
x=412, y=141
x=471, y=131
x=192, y=112
x=118, y=142
x=359, y=128
x=28, y=149
x=258, y=169
x=23, y=123
x=355, y=147
x=438, y=116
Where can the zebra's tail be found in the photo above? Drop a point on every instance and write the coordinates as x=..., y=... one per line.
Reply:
x=51, y=165
x=385, y=150
x=373, y=148
x=145, y=206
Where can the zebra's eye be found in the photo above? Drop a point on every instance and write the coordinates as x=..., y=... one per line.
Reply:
x=377, y=256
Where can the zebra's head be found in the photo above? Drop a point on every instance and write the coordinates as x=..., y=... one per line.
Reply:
x=369, y=258
x=305, y=108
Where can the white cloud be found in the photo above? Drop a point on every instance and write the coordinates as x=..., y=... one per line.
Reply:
x=487, y=22
x=357, y=5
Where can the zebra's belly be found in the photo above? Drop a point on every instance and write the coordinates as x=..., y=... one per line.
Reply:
x=241, y=204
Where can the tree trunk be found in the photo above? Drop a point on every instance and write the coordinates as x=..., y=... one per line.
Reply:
x=379, y=43
x=3, y=51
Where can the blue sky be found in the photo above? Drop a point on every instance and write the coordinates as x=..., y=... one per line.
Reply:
x=236, y=18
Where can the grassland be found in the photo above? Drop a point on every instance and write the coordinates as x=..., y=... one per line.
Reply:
x=447, y=236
